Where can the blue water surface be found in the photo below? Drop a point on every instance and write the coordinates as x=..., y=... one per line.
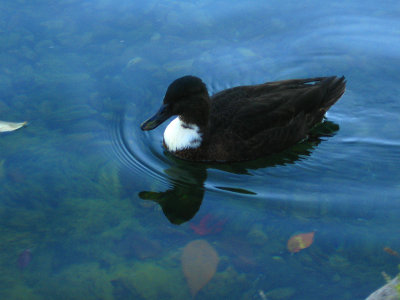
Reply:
x=91, y=207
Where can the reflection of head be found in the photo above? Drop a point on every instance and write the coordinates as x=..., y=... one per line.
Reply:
x=183, y=200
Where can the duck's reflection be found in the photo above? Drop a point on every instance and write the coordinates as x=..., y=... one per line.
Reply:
x=181, y=202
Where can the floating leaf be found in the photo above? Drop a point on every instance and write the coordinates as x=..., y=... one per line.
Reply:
x=300, y=241
x=10, y=126
x=199, y=264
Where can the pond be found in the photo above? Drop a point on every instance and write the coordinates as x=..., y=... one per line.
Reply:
x=91, y=207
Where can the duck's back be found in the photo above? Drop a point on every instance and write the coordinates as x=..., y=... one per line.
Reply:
x=250, y=121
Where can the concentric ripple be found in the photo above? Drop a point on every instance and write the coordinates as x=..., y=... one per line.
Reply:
x=135, y=150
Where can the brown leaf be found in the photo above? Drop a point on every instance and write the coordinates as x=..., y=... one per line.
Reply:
x=391, y=251
x=199, y=264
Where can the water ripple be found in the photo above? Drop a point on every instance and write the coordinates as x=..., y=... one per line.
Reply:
x=128, y=150
x=371, y=141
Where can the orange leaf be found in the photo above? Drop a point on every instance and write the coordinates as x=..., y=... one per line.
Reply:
x=300, y=241
x=199, y=264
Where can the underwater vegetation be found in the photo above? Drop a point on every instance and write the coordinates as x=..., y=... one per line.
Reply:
x=74, y=223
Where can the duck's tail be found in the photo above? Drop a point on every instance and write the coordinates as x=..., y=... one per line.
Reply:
x=326, y=93
x=334, y=88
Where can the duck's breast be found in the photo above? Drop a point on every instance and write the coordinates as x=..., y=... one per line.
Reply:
x=179, y=136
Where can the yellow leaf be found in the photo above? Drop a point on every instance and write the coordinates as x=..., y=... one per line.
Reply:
x=300, y=241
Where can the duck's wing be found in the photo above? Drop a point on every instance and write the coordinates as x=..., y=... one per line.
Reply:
x=251, y=110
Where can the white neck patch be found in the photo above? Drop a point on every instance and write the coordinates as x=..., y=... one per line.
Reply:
x=178, y=135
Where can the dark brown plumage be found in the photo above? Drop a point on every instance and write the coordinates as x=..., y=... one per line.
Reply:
x=247, y=122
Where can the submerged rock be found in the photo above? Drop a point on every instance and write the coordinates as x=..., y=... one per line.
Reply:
x=387, y=292
x=155, y=37
x=134, y=61
x=138, y=246
x=122, y=291
x=24, y=259
x=179, y=66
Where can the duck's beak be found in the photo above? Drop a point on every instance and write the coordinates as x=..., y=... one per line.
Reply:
x=160, y=116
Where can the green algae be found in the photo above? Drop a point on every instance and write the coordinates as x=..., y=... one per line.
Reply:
x=61, y=191
x=149, y=280
x=80, y=281
x=281, y=293
x=22, y=291
x=154, y=282
x=225, y=285
x=2, y=172
x=257, y=236
x=109, y=182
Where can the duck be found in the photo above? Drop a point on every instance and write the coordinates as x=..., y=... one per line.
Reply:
x=244, y=122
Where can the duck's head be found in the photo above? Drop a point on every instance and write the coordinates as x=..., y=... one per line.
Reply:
x=186, y=97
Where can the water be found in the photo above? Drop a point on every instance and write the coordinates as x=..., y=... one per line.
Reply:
x=93, y=208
